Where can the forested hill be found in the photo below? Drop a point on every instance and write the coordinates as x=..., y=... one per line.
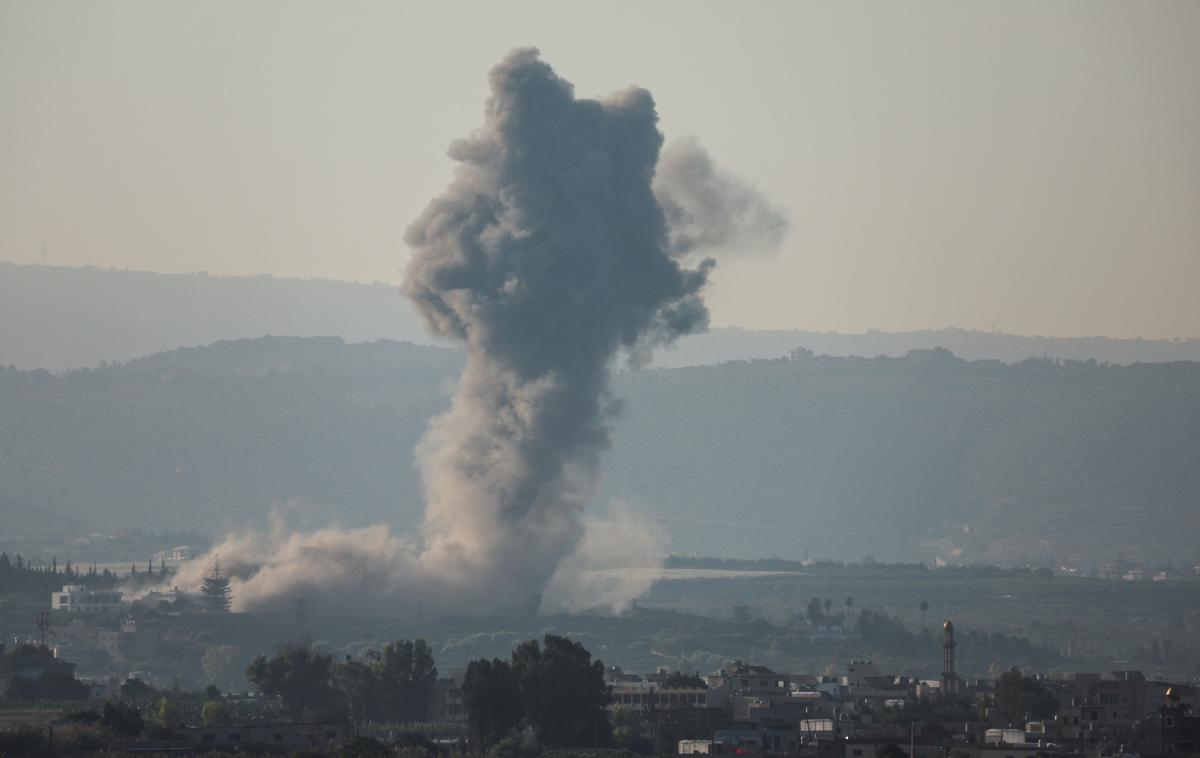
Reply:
x=916, y=457
x=57, y=317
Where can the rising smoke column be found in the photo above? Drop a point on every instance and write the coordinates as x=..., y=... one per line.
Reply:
x=564, y=241
x=547, y=256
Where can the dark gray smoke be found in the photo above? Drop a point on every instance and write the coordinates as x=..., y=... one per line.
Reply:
x=710, y=209
x=549, y=256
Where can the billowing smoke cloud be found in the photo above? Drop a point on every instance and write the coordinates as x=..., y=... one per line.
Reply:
x=549, y=256
x=617, y=560
x=708, y=208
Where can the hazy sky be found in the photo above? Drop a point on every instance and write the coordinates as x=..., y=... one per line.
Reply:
x=1035, y=166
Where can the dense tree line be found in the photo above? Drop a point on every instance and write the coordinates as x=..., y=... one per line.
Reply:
x=38, y=675
x=392, y=684
x=554, y=688
x=17, y=574
x=1022, y=698
x=842, y=456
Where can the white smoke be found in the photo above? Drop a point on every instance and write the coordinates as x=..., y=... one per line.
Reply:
x=615, y=563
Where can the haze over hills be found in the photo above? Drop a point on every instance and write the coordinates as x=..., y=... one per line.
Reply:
x=926, y=456
x=58, y=318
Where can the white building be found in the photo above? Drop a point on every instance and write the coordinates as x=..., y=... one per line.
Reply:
x=77, y=598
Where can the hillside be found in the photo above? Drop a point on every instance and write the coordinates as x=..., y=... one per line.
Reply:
x=917, y=457
x=58, y=318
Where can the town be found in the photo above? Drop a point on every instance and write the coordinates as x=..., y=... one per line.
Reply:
x=128, y=661
x=596, y=380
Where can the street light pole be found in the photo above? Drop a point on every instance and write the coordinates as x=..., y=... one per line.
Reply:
x=912, y=742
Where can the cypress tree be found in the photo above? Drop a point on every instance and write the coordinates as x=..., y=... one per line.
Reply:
x=216, y=591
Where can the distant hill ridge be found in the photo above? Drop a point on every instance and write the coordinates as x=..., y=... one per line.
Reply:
x=58, y=318
x=925, y=456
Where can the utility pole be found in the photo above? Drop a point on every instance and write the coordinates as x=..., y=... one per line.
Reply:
x=43, y=623
x=912, y=740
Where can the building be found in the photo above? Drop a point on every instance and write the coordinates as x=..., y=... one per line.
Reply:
x=447, y=705
x=76, y=598
x=1178, y=728
x=282, y=736
x=644, y=695
x=42, y=719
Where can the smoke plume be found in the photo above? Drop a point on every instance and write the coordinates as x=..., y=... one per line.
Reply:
x=708, y=208
x=553, y=252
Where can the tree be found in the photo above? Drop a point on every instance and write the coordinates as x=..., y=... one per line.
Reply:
x=168, y=714
x=890, y=750
x=1021, y=698
x=924, y=607
x=49, y=685
x=135, y=688
x=492, y=699
x=828, y=605
x=406, y=677
x=563, y=691
x=741, y=614
x=216, y=591
x=677, y=680
x=360, y=687
x=121, y=719
x=813, y=612
x=216, y=713
x=298, y=675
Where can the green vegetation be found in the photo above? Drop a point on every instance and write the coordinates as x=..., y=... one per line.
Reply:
x=920, y=457
x=18, y=576
x=394, y=684
x=1023, y=698
x=215, y=590
x=555, y=688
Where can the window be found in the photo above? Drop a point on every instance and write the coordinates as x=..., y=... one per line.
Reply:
x=1168, y=721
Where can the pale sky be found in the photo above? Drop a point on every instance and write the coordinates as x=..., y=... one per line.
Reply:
x=1029, y=165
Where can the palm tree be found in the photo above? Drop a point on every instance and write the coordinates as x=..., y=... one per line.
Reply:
x=924, y=607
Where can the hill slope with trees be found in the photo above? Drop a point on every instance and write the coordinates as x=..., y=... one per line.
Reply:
x=925, y=456
x=57, y=317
